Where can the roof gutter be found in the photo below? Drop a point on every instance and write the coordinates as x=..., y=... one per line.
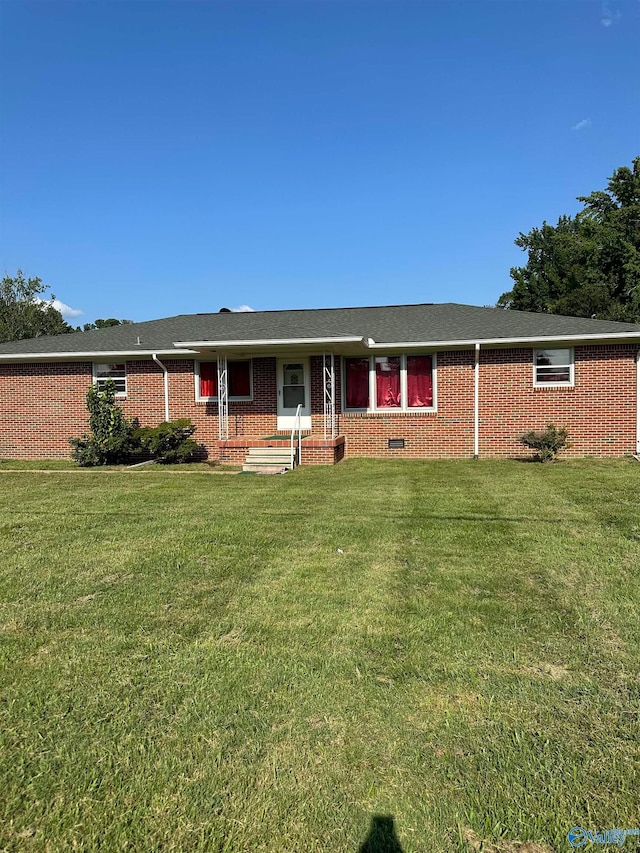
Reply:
x=166, y=384
x=476, y=402
x=190, y=348
x=92, y=354
x=638, y=403
x=614, y=336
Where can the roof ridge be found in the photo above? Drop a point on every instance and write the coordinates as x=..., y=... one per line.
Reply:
x=310, y=310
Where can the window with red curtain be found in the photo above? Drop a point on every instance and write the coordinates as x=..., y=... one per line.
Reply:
x=357, y=383
x=239, y=378
x=208, y=379
x=419, y=381
x=388, y=382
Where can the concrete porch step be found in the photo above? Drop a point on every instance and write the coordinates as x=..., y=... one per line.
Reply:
x=270, y=451
x=266, y=469
x=267, y=459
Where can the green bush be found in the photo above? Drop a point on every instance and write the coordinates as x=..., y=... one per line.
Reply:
x=113, y=437
x=548, y=443
x=170, y=442
x=115, y=440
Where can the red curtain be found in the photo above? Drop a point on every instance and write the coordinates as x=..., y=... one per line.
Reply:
x=357, y=378
x=388, y=382
x=208, y=379
x=419, y=381
x=239, y=378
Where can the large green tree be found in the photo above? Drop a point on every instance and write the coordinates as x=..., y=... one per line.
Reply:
x=25, y=313
x=588, y=264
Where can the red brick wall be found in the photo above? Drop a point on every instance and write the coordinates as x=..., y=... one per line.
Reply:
x=145, y=400
x=43, y=405
x=445, y=433
x=599, y=411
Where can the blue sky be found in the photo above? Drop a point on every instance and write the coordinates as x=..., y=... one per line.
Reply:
x=176, y=157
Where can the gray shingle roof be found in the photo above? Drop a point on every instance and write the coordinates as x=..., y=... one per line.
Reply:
x=427, y=323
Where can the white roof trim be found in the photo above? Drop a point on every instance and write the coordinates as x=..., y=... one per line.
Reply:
x=469, y=342
x=191, y=348
x=91, y=354
x=351, y=339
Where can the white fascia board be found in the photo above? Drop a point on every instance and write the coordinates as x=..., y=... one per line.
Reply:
x=267, y=342
x=470, y=343
x=90, y=355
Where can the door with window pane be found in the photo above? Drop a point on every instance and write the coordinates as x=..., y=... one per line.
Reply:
x=293, y=391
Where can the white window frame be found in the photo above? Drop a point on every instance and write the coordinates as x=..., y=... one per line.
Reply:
x=99, y=381
x=386, y=410
x=537, y=383
x=196, y=374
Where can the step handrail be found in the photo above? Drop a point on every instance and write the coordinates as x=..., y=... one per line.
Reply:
x=297, y=423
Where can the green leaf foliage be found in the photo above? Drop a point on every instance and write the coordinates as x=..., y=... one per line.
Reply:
x=103, y=324
x=25, y=313
x=170, y=442
x=547, y=443
x=116, y=440
x=587, y=265
x=113, y=438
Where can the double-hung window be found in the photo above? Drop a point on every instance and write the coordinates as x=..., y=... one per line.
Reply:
x=239, y=379
x=553, y=367
x=116, y=372
x=390, y=382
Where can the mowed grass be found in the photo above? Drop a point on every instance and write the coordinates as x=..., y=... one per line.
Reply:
x=280, y=663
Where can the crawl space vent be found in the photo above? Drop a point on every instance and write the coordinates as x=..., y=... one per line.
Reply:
x=396, y=443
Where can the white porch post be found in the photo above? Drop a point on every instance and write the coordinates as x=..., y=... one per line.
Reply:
x=223, y=398
x=329, y=394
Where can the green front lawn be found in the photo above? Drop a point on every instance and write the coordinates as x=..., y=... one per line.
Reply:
x=282, y=663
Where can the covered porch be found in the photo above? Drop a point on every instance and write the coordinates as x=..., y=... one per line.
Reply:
x=303, y=400
x=260, y=392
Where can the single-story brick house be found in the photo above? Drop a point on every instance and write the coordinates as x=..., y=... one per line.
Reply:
x=415, y=381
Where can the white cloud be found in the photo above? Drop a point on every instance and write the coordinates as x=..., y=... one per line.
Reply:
x=241, y=309
x=65, y=310
x=609, y=15
x=581, y=125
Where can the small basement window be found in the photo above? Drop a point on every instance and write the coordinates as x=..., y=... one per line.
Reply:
x=115, y=372
x=553, y=367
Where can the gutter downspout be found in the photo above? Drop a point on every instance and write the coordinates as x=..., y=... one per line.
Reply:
x=166, y=384
x=476, y=403
x=638, y=403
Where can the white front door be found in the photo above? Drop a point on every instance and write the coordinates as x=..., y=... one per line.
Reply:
x=294, y=389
